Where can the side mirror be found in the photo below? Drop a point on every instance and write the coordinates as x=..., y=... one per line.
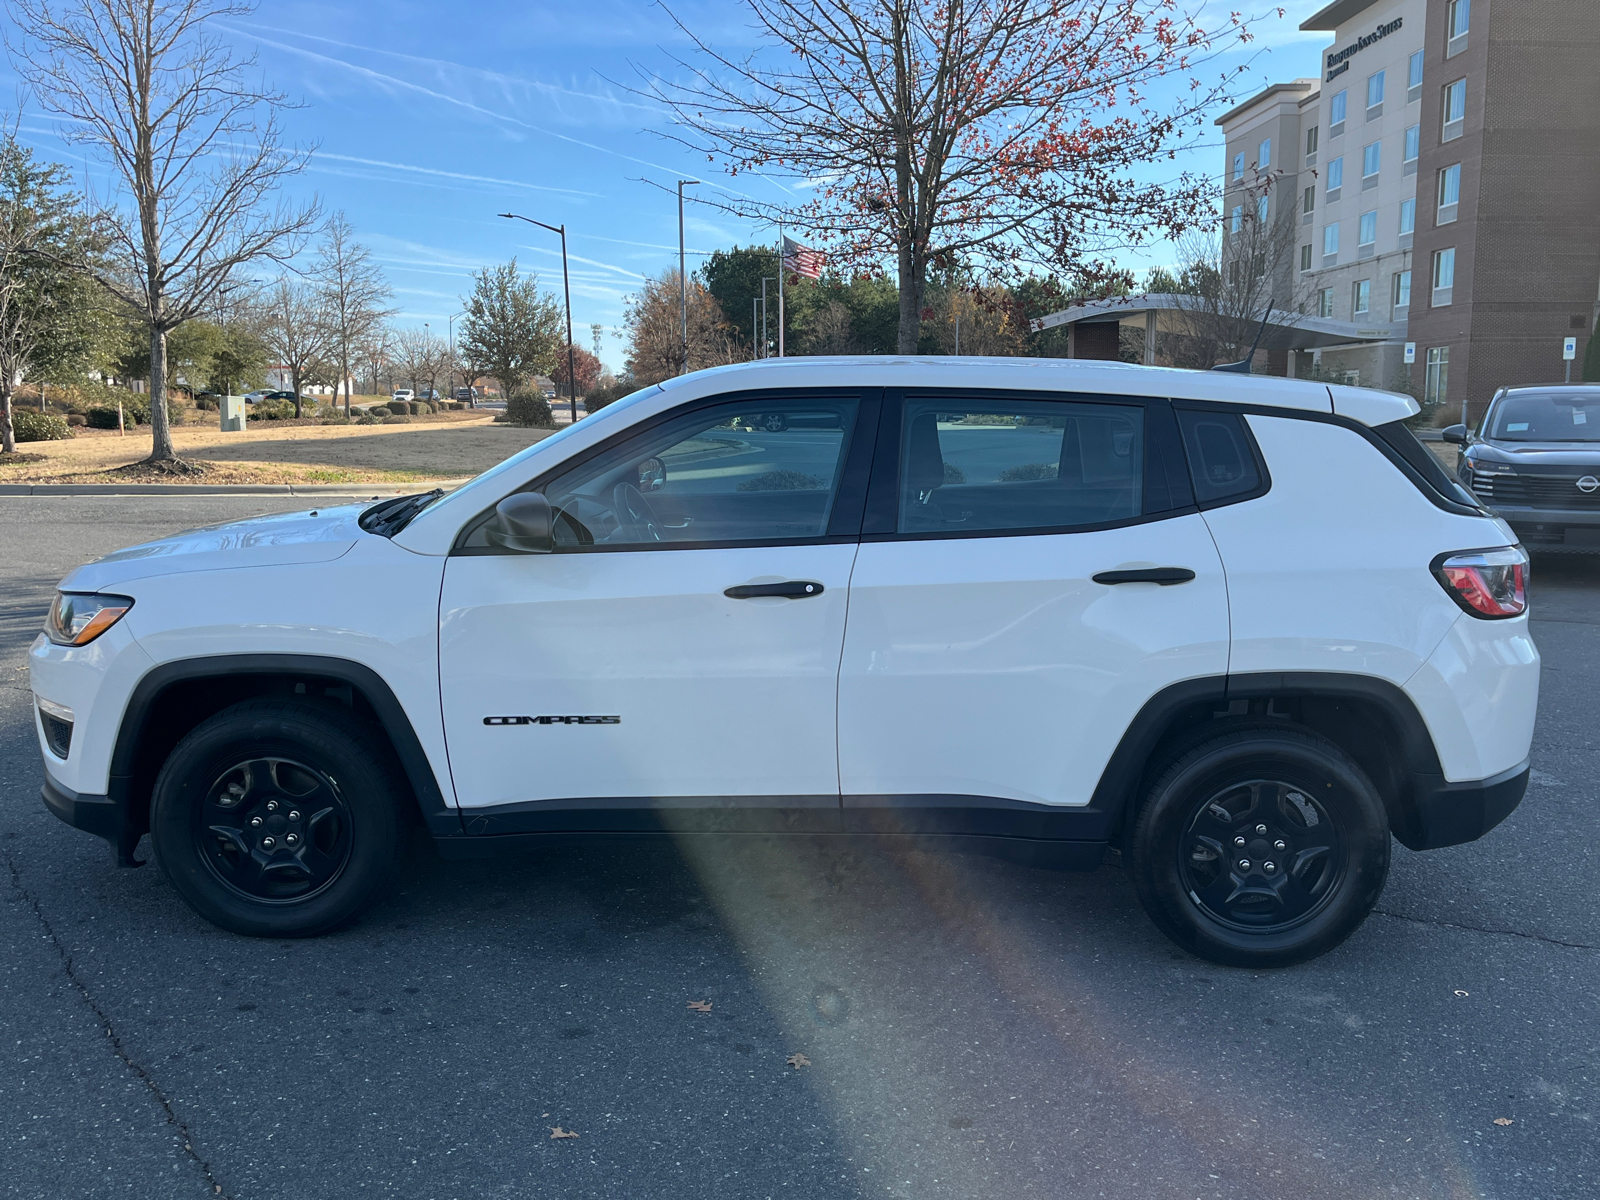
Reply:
x=652, y=475
x=522, y=524
x=1455, y=433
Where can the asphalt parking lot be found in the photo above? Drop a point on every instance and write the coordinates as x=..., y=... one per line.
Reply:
x=974, y=1028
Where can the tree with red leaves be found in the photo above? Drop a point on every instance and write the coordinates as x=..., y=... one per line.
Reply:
x=981, y=133
x=586, y=364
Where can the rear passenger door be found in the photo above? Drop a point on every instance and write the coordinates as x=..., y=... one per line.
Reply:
x=983, y=663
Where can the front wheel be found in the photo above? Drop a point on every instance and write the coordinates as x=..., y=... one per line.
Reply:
x=277, y=818
x=1261, y=848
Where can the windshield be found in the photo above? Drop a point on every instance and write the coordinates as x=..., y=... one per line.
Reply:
x=1553, y=416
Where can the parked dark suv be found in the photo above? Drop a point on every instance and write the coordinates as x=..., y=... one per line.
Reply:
x=1535, y=460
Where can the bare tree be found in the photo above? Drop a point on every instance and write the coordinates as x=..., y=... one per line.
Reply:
x=355, y=292
x=420, y=355
x=940, y=132
x=197, y=148
x=655, y=331
x=372, y=352
x=1229, y=278
x=297, y=332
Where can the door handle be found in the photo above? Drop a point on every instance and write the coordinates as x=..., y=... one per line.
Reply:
x=1165, y=576
x=792, y=589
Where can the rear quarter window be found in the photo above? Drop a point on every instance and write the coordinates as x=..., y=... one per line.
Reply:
x=1223, y=460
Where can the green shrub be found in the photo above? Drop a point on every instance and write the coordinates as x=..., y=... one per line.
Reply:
x=38, y=427
x=76, y=419
x=366, y=419
x=530, y=409
x=102, y=418
x=599, y=397
x=335, y=418
x=1029, y=472
x=394, y=420
x=422, y=408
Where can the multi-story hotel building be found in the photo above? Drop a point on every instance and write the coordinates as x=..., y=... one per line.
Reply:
x=1440, y=182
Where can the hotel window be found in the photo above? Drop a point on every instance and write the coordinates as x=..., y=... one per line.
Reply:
x=1413, y=150
x=1375, y=95
x=1437, y=380
x=1336, y=109
x=1261, y=209
x=1305, y=257
x=1361, y=297
x=1325, y=302
x=1238, y=165
x=1335, y=177
x=1236, y=219
x=1311, y=146
x=1264, y=155
x=1400, y=292
x=1449, y=194
x=1308, y=203
x=1330, y=244
x=1370, y=159
x=1455, y=110
x=1458, y=19
x=1408, y=217
x=1368, y=231
x=1444, y=276
x=1414, y=79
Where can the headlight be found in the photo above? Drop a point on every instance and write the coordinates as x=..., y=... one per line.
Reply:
x=76, y=619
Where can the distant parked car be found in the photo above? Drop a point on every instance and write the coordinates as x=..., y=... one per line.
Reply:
x=466, y=395
x=403, y=394
x=1535, y=460
x=253, y=397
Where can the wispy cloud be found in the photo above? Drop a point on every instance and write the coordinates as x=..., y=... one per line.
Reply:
x=411, y=168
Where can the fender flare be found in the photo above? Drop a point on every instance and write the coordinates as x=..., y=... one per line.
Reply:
x=442, y=820
x=1418, y=771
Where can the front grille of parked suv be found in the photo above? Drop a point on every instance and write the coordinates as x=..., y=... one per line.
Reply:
x=1537, y=491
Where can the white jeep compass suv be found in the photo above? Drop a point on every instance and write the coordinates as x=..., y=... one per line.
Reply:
x=1240, y=628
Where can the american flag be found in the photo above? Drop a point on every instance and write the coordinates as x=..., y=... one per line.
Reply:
x=802, y=260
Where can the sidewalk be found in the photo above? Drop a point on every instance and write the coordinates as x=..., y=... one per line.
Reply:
x=364, y=491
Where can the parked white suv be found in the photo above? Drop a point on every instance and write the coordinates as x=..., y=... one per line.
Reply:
x=1240, y=628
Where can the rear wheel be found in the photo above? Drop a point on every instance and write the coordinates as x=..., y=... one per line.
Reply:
x=1261, y=848
x=278, y=818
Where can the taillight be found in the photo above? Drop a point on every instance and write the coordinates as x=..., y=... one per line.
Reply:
x=1487, y=583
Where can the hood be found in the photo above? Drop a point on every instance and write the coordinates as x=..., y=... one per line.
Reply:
x=1539, y=454
x=317, y=535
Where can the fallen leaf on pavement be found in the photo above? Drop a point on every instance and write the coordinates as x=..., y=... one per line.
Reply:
x=1504, y=1121
x=558, y=1132
x=700, y=1005
x=797, y=1061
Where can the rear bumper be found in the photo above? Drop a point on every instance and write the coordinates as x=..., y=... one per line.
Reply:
x=1552, y=528
x=103, y=816
x=1448, y=814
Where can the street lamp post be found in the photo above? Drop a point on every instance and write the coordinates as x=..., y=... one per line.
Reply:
x=566, y=288
x=451, y=327
x=683, y=275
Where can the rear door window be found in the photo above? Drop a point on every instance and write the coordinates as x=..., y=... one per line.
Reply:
x=1008, y=464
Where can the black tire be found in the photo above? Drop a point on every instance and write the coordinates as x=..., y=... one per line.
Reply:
x=278, y=818
x=1287, y=894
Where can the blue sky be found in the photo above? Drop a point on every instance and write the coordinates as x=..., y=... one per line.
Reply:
x=430, y=118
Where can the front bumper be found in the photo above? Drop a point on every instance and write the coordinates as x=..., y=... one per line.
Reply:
x=1448, y=814
x=1552, y=528
x=104, y=816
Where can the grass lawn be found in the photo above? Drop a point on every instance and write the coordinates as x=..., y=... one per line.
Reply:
x=443, y=447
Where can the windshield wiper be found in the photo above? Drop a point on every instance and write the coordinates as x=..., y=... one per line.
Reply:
x=391, y=516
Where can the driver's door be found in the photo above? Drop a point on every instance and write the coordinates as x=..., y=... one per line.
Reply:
x=642, y=675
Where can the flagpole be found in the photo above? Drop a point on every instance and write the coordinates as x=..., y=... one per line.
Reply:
x=780, y=290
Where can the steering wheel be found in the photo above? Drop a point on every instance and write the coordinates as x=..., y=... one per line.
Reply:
x=634, y=514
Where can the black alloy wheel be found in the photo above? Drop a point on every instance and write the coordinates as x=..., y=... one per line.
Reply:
x=1260, y=847
x=274, y=830
x=279, y=818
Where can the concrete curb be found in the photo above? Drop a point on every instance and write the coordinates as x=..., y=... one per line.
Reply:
x=221, y=489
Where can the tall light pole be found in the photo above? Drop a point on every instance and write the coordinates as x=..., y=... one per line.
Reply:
x=451, y=327
x=683, y=275
x=566, y=288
